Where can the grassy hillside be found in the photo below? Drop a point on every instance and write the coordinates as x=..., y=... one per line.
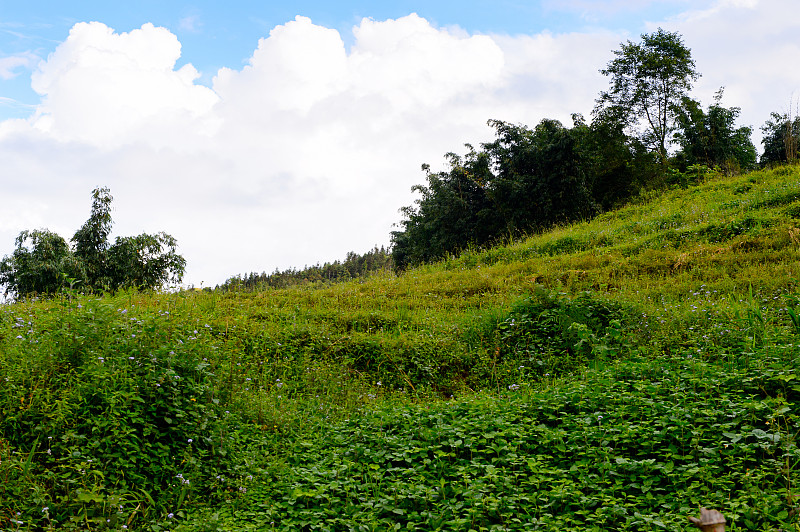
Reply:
x=609, y=375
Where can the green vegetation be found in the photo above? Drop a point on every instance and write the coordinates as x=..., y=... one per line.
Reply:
x=43, y=263
x=528, y=180
x=612, y=374
x=354, y=266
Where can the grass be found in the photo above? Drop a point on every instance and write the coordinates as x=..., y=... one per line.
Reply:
x=613, y=374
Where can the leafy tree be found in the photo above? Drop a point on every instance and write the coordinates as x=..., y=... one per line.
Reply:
x=525, y=180
x=43, y=262
x=648, y=81
x=781, y=139
x=145, y=261
x=617, y=166
x=711, y=138
x=91, y=240
x=454, y=211
x=542, y=175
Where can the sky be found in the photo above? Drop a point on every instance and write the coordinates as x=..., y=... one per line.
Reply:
x=270, y=135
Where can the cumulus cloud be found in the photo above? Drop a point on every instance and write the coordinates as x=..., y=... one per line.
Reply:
x=108, y=89
x=309, y=150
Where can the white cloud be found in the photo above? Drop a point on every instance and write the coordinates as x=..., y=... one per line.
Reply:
x=748, y=46
x=309, y=150
x=11, y=65
x=108, y=89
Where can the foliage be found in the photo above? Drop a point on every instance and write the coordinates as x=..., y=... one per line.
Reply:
x=711, y=139
x=91, y=240
x=523, y=181
x=114, y=410
x=43, y=263
x=648, y=81
x=354, y=266
x=781, y=139
x=637, y=446
x=417, y=400
x=144, y=261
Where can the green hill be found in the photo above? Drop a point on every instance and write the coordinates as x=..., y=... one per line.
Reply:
x=609, y=375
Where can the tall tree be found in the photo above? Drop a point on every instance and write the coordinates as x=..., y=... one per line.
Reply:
x=523, y=181
x=91, y=240
x=144, y=261
x=648, y=81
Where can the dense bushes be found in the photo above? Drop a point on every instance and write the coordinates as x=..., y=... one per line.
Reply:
x=112, y=410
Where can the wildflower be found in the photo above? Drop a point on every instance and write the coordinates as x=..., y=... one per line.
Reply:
x=19, y=337
x=190, y=440
x=45, y=509
x=170, y=515
x=513, y=387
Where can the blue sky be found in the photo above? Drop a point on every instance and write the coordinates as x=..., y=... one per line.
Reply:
x=268, y=135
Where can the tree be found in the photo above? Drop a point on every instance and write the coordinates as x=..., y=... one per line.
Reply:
x=711, y=138
x=454, y=211
x=781, y=138
x=523, y=181
x=144, y=261
x=43, y=262
x=542, y=175
x=91, y=240
x=648, y=81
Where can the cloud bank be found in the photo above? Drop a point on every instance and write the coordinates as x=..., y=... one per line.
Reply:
x=309, y=150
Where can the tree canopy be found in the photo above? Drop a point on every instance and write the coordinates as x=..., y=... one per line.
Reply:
x=648, y=81
x=711, y=138
x=529, y=179
x=781, y=138
x=526, y=179
x=43, y=262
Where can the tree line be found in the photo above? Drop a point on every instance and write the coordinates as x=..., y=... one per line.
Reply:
x=527, y=179
x=354, y=266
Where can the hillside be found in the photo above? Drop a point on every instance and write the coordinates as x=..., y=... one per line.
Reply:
x=613, y=374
